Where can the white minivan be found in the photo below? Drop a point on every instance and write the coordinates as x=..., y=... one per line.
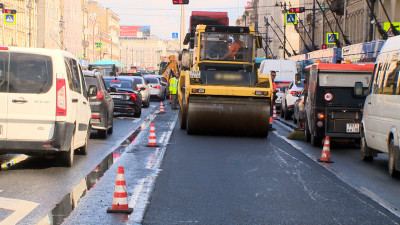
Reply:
x=381, y=117
x=44, y=103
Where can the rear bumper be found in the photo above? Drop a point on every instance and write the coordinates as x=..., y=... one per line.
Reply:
x=61, y=141
x=126, y=108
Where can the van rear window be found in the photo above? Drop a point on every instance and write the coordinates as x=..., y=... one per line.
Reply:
x=30, y=73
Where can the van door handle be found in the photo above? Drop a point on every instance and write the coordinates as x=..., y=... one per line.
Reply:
x=84, y=103
x=19, y=101
x=369, y=103
x=74, y=100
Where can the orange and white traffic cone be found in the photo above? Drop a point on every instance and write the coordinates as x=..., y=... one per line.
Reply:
x=161, y=108
x=120, y=199
x=326, y=152
x=152, y=137
x=274, y=113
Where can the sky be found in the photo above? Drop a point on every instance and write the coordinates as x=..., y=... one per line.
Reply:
x=163, y=17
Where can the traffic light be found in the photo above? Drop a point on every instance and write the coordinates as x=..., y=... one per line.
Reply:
x=10, y=11
x=180, y=2
x=323, y=46
x=297, y=10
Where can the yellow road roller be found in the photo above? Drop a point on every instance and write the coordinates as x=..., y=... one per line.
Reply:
x=220, y=92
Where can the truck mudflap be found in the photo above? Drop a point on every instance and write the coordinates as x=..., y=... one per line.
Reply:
x=238, y=116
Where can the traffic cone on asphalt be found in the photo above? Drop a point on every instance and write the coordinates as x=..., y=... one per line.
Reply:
x=274, y=113
x=326, y=151
x=152, y=137
x=161, y=108
x=120, y=199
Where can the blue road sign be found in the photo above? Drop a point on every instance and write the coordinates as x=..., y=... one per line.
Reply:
x=330, y=38
x=9, y=18
x=174, y=35
x=290, y=18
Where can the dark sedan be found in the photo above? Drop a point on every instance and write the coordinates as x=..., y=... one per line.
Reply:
x=126, y=95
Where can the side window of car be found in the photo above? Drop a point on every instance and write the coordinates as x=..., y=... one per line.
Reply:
x=390, y=83
x=82, y=78
x=70, y=78
x=76, y=80
x=135, y=86
x=3, y=71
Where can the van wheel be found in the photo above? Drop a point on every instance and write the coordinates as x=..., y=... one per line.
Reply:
x=316, y=141
x=67, y=157
x=85, y=149
x=391, y=161
x=366, y=152
x=306, y=131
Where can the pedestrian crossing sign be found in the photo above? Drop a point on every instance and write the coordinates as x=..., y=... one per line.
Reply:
x=290, y=18
x=9, y=18
x=98, y=46
x=330, y=38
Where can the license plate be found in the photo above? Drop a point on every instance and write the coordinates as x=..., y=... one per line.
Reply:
x=116, y=96
x=352, y=128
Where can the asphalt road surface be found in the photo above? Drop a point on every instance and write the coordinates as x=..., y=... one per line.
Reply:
x=233, y=180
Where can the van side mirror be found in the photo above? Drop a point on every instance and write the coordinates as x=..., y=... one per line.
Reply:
x=297, y=78
x=92, y=90
x=358, y=89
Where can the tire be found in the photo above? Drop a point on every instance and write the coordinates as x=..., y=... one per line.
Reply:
x=316, y=141
x=366, y=152
x=66, y=158
x=138, y=112
x=287, y=113
x=111, y=129
x=282, y=113
x=103, y=133
x=307, y=135
x=85, y=149
x=294, y=119
x=392, y=160
x=146, y=104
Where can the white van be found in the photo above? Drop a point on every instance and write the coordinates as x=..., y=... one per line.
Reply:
x=381, y=117
x=285, y=73
x=44, y=103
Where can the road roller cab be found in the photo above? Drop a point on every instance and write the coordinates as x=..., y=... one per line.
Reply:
x=220, y=93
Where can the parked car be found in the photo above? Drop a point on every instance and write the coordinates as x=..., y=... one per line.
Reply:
x=381, y=118
x=141, y=82
x=44, y=103
x=101, y=105
x=157, y=88
x=126, y=95
x=298, y=109
x=165, y=83
x=281, y=85
x=290, y=95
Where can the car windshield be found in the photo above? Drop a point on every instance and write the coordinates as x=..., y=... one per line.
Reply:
x=224, y=47
x=138, y=81
x=118, y=83
x=153, y=80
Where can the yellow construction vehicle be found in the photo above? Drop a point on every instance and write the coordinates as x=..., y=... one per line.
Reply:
x=220, y=95
x=169, y=67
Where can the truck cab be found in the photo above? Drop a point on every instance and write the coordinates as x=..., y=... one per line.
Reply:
x=335, y=100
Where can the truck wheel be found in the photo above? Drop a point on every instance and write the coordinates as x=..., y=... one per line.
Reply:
x=67, y=157
x=392, y=160
x=316, y=141
x=366, y=152
x=306, y=131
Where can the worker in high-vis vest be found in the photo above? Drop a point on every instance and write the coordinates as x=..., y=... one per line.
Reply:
x=173, y=91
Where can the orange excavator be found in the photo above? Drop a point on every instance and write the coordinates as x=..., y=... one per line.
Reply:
x=172, y=65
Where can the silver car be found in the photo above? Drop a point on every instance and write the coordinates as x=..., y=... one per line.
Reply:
x=158, y=89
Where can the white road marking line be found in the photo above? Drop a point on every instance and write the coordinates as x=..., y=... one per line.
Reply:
x=21, y=208
x=142, y=192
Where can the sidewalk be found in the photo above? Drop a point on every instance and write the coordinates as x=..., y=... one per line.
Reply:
x=141, y=165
